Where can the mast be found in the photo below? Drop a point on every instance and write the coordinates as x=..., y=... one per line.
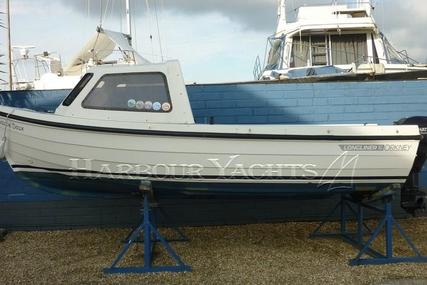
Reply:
x=128, y=21
x=9, y=44
x=281, y=17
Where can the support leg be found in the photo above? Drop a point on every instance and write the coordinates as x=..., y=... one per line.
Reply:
x=150, y=234
x=147, y=234
x=387, y=224
x=388, y=229
x=317, y=233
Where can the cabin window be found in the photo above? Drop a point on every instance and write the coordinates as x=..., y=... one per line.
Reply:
x=348, y=49
x=326, y=50
x=300, y=51
x=310, y=51
x=76, y=91
x=136, y=92
x=275, y=56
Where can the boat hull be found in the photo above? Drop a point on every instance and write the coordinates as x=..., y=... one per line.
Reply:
x=36, y=147
x=317, y=103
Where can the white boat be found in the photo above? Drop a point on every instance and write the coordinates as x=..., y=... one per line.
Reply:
x=124, y=124
x=341, y=38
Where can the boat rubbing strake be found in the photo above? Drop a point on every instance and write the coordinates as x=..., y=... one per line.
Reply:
x=125, y=124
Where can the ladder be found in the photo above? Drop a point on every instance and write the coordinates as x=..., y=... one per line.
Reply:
x=319, y=55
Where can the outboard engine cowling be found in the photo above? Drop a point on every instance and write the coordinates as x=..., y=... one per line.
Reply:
x=413, y=198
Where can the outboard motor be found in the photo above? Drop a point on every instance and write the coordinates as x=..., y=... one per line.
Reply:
x=413, y=198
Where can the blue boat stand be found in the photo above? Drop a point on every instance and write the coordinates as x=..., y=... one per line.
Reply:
x=356, y=238
x=148, y=234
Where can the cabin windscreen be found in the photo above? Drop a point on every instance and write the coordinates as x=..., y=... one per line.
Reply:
x=300, y=52
x=76, y=91
x=275, y=55
x=329, y=50
x=137, y=92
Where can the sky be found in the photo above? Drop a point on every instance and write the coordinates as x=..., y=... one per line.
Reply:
x=215, y=40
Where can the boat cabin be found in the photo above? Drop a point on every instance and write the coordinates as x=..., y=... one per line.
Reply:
x=153, y=93
x=343, y=38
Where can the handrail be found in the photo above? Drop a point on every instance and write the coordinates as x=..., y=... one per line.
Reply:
x=405, y=55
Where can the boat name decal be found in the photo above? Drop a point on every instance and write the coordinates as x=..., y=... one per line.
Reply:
x=12, y=126
x=375, y=147
x=219, y=167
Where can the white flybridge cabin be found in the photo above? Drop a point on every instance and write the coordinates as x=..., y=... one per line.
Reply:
x=124, y=124
x=341, y=38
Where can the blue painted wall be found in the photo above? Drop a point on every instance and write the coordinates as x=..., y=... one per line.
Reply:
x=258, y=103
x=309, y=103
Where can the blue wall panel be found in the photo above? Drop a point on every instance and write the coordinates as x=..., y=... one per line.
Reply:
x=302, y=103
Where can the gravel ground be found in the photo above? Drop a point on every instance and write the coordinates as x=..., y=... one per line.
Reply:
x=251, y=254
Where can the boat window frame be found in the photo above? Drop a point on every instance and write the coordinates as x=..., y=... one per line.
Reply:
x=77, y=89
x=162, y=74
x=328, y=46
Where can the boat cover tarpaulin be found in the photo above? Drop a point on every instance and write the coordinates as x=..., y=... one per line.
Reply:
x=101, y=46
x=40, y=101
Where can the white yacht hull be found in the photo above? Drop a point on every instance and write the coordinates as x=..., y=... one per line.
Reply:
x=45, y=144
